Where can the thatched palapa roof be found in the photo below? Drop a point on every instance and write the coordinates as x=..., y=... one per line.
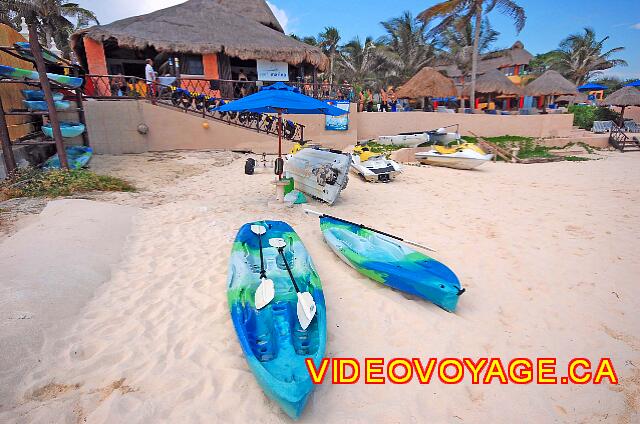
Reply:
x=551, y=83
x=427, y=83
x=578, y=98
x=626, y=96
x=494, y=81
x=239, y=28
x=515, y=55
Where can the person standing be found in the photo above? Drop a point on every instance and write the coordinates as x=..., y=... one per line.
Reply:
x=150, y=77
x=361, y=101
x=368, y=97
x=384, y=100
x=393, y=100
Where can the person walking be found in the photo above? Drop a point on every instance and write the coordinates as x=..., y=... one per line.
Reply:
x=393, y=100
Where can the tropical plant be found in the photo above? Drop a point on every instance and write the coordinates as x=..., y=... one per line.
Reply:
x=52, y=18
x=359, y=62
x=328, y=40
x=451, y=11
x=405, y=47
x=457, y=43
x=580, y=57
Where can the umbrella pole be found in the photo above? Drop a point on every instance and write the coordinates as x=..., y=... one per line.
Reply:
x=280, y=138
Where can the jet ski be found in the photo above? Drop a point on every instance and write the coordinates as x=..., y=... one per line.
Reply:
x=373, y=167
x=461, y=156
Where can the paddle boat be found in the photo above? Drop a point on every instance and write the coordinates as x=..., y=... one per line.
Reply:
x=373, y=167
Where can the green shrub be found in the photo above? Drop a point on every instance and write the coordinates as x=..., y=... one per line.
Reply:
x=584, y=115
x=34, y=182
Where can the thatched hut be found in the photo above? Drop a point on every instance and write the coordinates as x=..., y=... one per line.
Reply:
x=494, y=82
x=212, y=39
x=427, y=83
x=551, y=83
x=626, y=96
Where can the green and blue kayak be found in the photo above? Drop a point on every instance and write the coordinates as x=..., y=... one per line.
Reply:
x=23, y=48
x=30, y=75
x=274, y=344
x=77, y=157
x=390, y=262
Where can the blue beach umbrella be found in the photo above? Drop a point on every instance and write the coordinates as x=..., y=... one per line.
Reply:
x=592, y=86
x=633, y=84
x=281, y=98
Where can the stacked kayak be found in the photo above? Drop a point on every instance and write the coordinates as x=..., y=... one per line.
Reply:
x=273, y=341
x=38, y=95
x=26, y=74
x=68, y=129
x=23, y=48
x=387, y=261
x=461, y=156
x=41, y=105
x=77, y=157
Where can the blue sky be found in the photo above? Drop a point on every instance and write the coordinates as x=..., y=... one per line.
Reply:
x=548, y=21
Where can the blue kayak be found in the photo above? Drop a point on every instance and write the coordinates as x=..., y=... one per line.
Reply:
x=77, y=157
x=27, y=74
x=41, y=105
x=274, y=344
x=39, y=95
x=68, y=129
x=23, y=48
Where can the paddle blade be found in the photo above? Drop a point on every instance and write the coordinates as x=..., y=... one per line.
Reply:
x=306, y=309
x=277, y=242
x=264, y=293
x=258, y=229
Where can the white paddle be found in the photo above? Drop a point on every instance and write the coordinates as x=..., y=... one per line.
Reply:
x=306, y=308
x=266, y=290
x=413, y=243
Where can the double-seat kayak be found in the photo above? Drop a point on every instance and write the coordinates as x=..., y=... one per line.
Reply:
x=390, y=262
x=273, y=341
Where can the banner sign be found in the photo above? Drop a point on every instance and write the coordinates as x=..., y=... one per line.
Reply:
x=337, y=123
x=272, y=71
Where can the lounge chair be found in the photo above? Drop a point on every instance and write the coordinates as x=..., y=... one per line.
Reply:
x=600, y=127
x=631, y=126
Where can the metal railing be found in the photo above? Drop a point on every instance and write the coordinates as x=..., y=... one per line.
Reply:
x=105, y=86
x=117, y=87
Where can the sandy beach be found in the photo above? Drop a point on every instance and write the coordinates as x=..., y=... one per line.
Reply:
x=548, y=254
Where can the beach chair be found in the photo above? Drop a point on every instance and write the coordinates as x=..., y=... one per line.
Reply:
x=631, y=126
x=600, y=127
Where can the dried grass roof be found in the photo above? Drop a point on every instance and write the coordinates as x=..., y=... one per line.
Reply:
x=551, y=83
x=626, y=96
x=236, y=27
x=427, y=83
x=577, y=98
x=515, y=55
x=494, y=81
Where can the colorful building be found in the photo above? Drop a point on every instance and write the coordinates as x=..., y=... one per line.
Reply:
x=200, y=39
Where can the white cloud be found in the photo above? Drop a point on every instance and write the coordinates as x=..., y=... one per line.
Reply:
x=636, y=26
x=281, y=16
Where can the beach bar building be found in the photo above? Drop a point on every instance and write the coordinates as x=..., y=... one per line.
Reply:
x=204, y=40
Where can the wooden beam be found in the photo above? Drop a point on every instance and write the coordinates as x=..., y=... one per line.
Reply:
x=7, y=150
x=48, y=95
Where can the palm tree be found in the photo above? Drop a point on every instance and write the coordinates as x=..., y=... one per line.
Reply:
x=457, y=43
x=465, y=10
x=53, y=18
x=405, y=46
x=328, y=40
x=359, y=62
x=580, y=57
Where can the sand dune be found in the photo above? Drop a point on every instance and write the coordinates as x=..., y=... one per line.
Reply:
x=548, y=254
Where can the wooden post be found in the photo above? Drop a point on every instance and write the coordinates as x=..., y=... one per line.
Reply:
x=48, y=96
x=7, y=151
x=81, y=115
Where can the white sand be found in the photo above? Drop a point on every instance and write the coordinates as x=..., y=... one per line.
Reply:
x=548, y=254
